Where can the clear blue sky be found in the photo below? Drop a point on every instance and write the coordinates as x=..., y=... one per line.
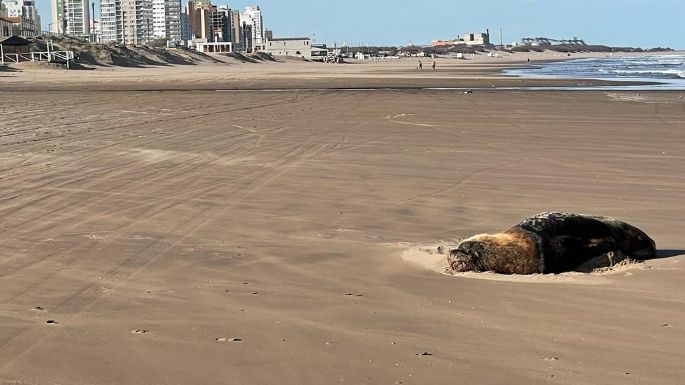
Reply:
x=644, y=23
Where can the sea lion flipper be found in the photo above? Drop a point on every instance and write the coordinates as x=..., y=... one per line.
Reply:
x=567, y=252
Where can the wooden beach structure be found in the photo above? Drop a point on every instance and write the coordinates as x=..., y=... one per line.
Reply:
x=16, y=49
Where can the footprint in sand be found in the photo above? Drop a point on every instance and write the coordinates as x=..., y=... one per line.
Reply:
x=140, y=331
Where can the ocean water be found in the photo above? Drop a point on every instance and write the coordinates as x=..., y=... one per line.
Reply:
x=666, y=69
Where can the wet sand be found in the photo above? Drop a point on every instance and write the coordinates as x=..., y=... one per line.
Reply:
x=256, y=238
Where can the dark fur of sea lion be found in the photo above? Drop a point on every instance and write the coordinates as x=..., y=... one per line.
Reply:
x=550, y=243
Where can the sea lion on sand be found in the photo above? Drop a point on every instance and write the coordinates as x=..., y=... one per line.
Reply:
x=552, y=242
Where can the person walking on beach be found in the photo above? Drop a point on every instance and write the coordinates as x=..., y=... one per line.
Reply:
x=434, y=65
x=420, y=65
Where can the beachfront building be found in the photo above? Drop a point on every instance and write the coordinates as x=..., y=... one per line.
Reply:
x=17, y=26
x=200, y=20
x=166, y=20
x=5, y=26
x=23, y=8
x=71, y=17
x=108, y=21
x=246, y=40
x=236, y=33
x=252, y=16
x=478, y=38
x=136, y=21
x=185, y=28
x=210, y=27
x=127, y=22
x=19, y=18
x=221, y=24
x=290, y=46
x=8, y=26
x=213, y=46
x=31, y=12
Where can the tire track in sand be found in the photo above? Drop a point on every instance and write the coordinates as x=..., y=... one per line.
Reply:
x=28, y=340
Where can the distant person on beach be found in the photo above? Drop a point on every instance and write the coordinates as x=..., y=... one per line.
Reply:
x=420, y=65
x=434, y=65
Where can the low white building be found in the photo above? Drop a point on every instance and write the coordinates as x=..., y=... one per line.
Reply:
x=290, y=46
x=478, y=38
x=214, y=47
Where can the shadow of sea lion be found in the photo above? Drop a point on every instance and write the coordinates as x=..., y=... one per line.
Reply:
x=660, y=254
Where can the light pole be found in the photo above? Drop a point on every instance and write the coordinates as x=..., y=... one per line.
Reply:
x=92, y=20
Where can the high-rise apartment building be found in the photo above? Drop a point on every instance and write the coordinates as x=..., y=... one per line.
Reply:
x=109, y=28
x=185, y=28
x=166, y=16
x=200, y=19
x=23, y=8
x=221, y=22
x=129, y=22
x=71, y=17
x=247, y=40
x=236, y=33
x=253, y=17
x=31, y=12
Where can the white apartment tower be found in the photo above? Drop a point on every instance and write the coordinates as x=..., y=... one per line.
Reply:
x=166, y=15
x=253, y=17
x=71, y=17
x=108, y=20
x=129, y=22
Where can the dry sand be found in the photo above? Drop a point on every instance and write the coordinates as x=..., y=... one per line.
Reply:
x=203, y=237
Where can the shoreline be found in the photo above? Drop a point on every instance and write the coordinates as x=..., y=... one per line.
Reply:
x=451, y=74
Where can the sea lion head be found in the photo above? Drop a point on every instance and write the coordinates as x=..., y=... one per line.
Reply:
x=514, y=251
x=467, y=257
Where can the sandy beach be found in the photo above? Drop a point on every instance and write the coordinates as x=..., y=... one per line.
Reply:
x=157, y=231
